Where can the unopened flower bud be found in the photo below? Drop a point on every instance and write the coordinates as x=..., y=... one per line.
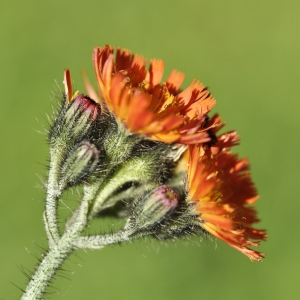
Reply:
x=75, y=118
x=80, y=164
x=154, y=208
x=81, y=112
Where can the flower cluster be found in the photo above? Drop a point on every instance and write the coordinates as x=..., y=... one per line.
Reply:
x=148, y=151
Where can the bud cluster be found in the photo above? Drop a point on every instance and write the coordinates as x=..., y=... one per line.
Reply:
x=89, y=147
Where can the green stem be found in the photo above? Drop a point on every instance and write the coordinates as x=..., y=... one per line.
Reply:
x=53, y=194
x=100, y=241
x=55, y=257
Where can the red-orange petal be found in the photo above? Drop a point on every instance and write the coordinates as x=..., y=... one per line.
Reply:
x=156, y=71
x=68, y=85
x=174, y=81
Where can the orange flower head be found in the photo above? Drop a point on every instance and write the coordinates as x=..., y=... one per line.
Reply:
x=138, y=99
x=222, y=191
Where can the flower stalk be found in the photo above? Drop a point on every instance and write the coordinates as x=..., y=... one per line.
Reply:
x=53, y=195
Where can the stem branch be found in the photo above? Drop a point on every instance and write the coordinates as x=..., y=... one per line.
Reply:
x=55, y=257
x=100, y=241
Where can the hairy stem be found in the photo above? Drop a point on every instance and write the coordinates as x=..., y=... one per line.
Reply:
x=55, y=257
x=53, y=194
x=100, y=241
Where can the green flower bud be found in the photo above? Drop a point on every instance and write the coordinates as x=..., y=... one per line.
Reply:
x=182, y=223
x=154, y=208
x=80, y=164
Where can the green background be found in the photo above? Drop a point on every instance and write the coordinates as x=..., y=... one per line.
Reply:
x=247, y=52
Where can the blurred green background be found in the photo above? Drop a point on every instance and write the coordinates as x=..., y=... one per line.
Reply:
x=247, y=52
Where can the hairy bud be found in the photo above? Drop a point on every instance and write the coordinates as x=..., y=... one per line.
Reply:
x=80, y=164
x=154, y=208
x=74, y=120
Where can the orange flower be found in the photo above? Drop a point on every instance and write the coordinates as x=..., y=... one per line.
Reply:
x=222, y=191
x=143, y=104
